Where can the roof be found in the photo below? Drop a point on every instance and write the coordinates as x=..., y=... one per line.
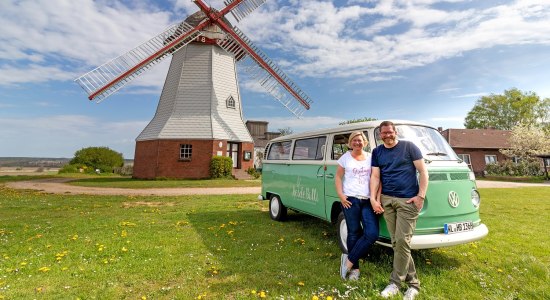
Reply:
x=347, y=127
x=477, y=138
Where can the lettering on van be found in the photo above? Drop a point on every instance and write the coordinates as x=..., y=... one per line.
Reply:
x=301, y=192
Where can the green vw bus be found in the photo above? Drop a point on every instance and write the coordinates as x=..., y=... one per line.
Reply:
x=299, y=169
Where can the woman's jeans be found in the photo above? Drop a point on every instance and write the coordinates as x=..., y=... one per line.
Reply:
x=363, y=228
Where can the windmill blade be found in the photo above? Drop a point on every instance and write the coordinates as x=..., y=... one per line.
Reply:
x=114, y=74
x=270, y=76
x=240, y=9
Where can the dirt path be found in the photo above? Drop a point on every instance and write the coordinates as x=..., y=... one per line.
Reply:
x=60, y=186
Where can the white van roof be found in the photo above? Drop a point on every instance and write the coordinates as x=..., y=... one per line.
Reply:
x=347, y=127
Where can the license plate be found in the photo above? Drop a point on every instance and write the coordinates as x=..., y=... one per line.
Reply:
x=457, y=227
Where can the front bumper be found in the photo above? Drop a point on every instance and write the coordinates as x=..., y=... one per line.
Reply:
x=429, y=241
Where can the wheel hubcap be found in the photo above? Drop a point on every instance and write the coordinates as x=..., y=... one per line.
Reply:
x=275, y=207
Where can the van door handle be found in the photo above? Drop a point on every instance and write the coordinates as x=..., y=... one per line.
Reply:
x=330, y=175
x=320, y=175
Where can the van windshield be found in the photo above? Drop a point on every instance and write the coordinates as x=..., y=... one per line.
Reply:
x=431, y=143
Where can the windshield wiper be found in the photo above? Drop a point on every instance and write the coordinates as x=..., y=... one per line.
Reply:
x=437, y=154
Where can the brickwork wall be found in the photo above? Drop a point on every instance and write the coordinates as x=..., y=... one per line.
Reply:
x=161, y=158
x=477, y=158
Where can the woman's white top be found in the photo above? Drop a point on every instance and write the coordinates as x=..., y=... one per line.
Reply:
x=357, y=175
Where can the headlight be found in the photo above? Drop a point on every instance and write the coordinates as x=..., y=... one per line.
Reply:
x=472, y=176
x=475, y=198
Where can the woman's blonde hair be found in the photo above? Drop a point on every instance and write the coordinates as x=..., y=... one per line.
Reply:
x=354, y=134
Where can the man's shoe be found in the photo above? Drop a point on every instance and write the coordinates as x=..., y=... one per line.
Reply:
x=343, y=266
x=410, y=294
x=391, y=290
x=354, y=274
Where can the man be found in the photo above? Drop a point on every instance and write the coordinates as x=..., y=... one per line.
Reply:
x=395, y=164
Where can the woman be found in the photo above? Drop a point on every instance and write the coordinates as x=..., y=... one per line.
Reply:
x=352, y=185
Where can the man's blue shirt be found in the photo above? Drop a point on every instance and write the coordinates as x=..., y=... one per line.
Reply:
x=397, y=170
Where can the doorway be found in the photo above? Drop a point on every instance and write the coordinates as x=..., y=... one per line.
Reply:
x=233, y=152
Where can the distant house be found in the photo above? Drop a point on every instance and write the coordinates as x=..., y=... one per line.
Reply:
x=478, y=147
x=260, y=135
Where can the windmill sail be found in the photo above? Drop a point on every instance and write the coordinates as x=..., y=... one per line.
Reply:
x=268, y=74
x=242, y=8
x=114, y=74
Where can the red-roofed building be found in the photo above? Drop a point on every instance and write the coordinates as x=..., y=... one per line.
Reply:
x=478, y=147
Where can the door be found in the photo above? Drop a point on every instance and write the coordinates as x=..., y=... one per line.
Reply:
x=233, y=152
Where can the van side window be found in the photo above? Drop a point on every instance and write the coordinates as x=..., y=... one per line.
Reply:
x=279, y=150
x=340, y=145
x=309, y=149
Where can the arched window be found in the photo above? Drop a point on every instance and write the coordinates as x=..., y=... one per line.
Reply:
x=230, y=102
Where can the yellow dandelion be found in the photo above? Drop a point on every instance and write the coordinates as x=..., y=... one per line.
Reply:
x=253, y=292
x=230, y=232
x=262, y=294
x=44, y=269
x=23, y=263
x=124, y=249
x=301, y=283
x=143, y=297
x=499, y=270
x=314, y=297
x=329, y=298
x=124, y=233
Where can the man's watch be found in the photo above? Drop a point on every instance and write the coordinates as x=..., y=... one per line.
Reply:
x=421, y=197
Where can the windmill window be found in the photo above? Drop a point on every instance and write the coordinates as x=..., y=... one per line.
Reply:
x=230, y=102
x=185, y=151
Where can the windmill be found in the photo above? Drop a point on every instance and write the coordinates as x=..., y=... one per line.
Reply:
x=199, y=114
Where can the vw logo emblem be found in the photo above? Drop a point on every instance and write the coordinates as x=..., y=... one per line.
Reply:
x=453, y=199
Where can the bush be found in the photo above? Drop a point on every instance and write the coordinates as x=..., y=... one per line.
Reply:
x=220, y=167
x=526, y=167
x=253, y=172
x=101, y=158
x=124, y=171
x=70, y=168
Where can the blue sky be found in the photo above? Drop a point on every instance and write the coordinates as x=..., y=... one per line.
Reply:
x=422, y=60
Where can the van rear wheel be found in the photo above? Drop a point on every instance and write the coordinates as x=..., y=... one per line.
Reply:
x=342, y=232
x=277, y=211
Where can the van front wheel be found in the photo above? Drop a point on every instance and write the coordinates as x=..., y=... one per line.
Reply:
x=277, y=211
x=342, y=231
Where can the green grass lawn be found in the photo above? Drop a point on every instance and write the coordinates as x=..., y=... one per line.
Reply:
x=227, y=247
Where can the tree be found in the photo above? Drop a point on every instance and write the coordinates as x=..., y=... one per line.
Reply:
x=508, y=110
x=101, y=158
x=365, y=119
x=285, y=131
x=527, y=141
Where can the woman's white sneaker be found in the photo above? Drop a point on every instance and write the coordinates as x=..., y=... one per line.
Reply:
x=354, y=274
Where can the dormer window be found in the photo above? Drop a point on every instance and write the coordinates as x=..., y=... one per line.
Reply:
x=230, y=102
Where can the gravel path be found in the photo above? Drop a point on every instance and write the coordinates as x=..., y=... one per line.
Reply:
x=60, y=186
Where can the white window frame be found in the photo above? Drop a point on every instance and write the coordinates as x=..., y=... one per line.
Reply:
x=466, y=158
x=230, y=102
x=490, y=159
x=186, y=151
